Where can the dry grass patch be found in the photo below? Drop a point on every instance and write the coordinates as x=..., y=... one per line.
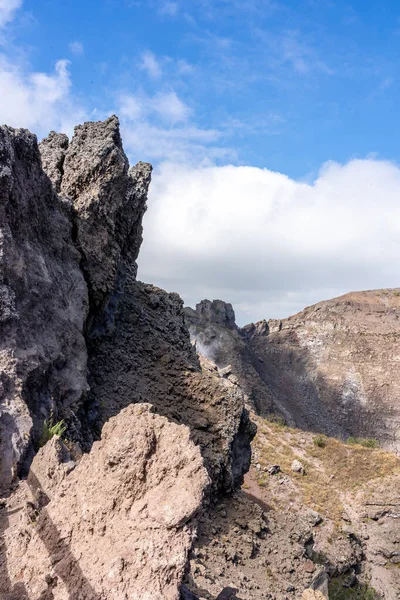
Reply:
x=331, y=468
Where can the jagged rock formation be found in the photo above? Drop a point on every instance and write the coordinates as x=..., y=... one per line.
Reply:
x=217, y=312
x=213, y=329
x=331, y=368
x=147, y=357
x=109, y=200
x=53, y=150
x=64, y=259
x=119, y=525
x=83, y=341
x=43, y=302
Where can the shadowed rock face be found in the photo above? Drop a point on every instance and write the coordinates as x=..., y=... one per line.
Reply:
x=43, y=301
x=147, y=357
x=331, y=368
x=217, y=311
x=212, y=328
x=334, y=366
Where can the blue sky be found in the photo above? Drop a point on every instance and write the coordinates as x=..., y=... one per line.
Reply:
x=285, y=85
x=280, y=86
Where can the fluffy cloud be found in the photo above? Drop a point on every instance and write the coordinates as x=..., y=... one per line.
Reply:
x=269, y=244
x=8, y=9
x=38, y=101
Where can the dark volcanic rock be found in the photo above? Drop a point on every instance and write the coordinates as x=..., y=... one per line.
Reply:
x=213, y=329
x=147, y=357
x=82, y=341
x=63, y=258
x=109, y=201
x=217, y=311
x=69, y=273
x=43, y=302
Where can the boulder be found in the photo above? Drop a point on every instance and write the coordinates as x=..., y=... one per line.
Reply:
x=297, y=467
x=312, y=595
x=122, y=523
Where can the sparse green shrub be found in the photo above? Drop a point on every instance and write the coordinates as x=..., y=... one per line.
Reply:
x=365, y=442
x=319, y=558
x=361, y=591
x=320, y=441
x=277, y=420
x=396, y=293
x=51, y=429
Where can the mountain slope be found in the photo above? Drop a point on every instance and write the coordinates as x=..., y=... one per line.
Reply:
x=332, y=526
x=331, y=368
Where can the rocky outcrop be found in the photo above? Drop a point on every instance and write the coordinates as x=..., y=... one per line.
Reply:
x=109, y=201
x=334, y=366
x=216, y=336
x=52, y=151
x=43, y=302
x=83, y=341
x=119, y=525
x=64, y=259
x=331, y=368
x=147, y=357
x=217, y=311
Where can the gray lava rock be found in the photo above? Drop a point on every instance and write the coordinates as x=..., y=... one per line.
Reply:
x=43, y=302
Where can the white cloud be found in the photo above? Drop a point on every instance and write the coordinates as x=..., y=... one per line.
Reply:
x=170, y=108
x=145, y=140
x=166, y=106
x=8, y=9
x=157, y=67
x=151, y=65
x=76, y=48
x=130, y=107
x=303, y=58
x=269, y=244
x=161, y=127
x=37, y=101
